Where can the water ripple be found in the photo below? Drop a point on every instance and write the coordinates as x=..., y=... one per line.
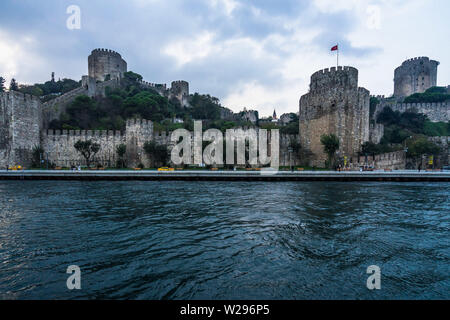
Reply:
x=223, y=240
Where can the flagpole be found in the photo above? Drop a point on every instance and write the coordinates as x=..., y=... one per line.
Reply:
x=338, y=55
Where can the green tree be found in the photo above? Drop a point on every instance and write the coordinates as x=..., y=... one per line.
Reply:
x=13, y=86
x=157, y=153
x=330, y=145
x=295, y=145
x=88, y=150
x=204, y=107
x=36, y=156
x=133, y=77
x=433, y=94
x=82, y=113
x=388, y=116
x=291, y=128
x=33, y=90
x=121, y=150
x=421, y=146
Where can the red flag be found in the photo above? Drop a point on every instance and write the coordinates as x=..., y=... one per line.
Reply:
x=335, y=48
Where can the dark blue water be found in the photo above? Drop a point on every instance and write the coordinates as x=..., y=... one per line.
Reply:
x=224, y=240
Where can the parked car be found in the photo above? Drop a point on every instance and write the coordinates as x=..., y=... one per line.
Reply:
x=446, y=168
x=166, y=169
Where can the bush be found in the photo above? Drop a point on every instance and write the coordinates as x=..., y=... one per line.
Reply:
x=159, y=154
x=434, y=94
x=437, y=129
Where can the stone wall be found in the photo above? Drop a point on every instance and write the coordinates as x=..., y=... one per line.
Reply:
x=286, y=159
x=334, y=105
x=20, y=122
x=376, y=132
x=53, y=109
x=59, y=146
x=444, y=144
x=393, y=160
x=415, y=76
x=436, y=112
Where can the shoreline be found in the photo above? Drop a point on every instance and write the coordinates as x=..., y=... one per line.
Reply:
x=199, y=175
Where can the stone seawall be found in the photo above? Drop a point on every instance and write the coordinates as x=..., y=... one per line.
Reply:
x=396, y=176
x=392, y=160
x=59, y=146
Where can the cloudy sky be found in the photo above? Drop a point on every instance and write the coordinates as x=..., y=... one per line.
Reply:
x=257, y=54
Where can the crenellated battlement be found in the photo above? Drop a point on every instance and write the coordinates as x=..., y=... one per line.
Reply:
x=81, y=133
x=161, y=134
x=180, y=82
x=435, y=105
x=109, y=52
x=330, y=78
x=20, y=96
x=417, y=60
x=153, y=85
x=139, y=122
x=436, y=111
x=333, y=70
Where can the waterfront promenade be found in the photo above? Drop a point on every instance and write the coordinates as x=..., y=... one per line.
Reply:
x=204, y=175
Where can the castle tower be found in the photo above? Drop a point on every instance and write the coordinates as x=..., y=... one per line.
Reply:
x=180, y=91
x=138, y=131
x=415, y=76
x=104, y=64
x=20, y=125
x=334, y=105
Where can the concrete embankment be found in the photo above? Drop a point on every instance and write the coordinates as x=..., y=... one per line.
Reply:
x=401, y=176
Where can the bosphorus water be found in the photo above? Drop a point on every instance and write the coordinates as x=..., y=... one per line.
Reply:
x=224, y=240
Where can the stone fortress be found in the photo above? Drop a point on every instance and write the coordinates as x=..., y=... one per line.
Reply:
x=24, y=121
x=334, y=104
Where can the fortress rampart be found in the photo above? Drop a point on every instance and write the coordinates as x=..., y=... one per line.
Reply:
x=436, y=112
x=59, y=144
x=53, y=109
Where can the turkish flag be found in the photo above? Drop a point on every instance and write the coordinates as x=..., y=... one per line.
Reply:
x=335, y=48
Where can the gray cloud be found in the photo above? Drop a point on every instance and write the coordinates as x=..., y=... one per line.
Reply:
x=140, y=30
